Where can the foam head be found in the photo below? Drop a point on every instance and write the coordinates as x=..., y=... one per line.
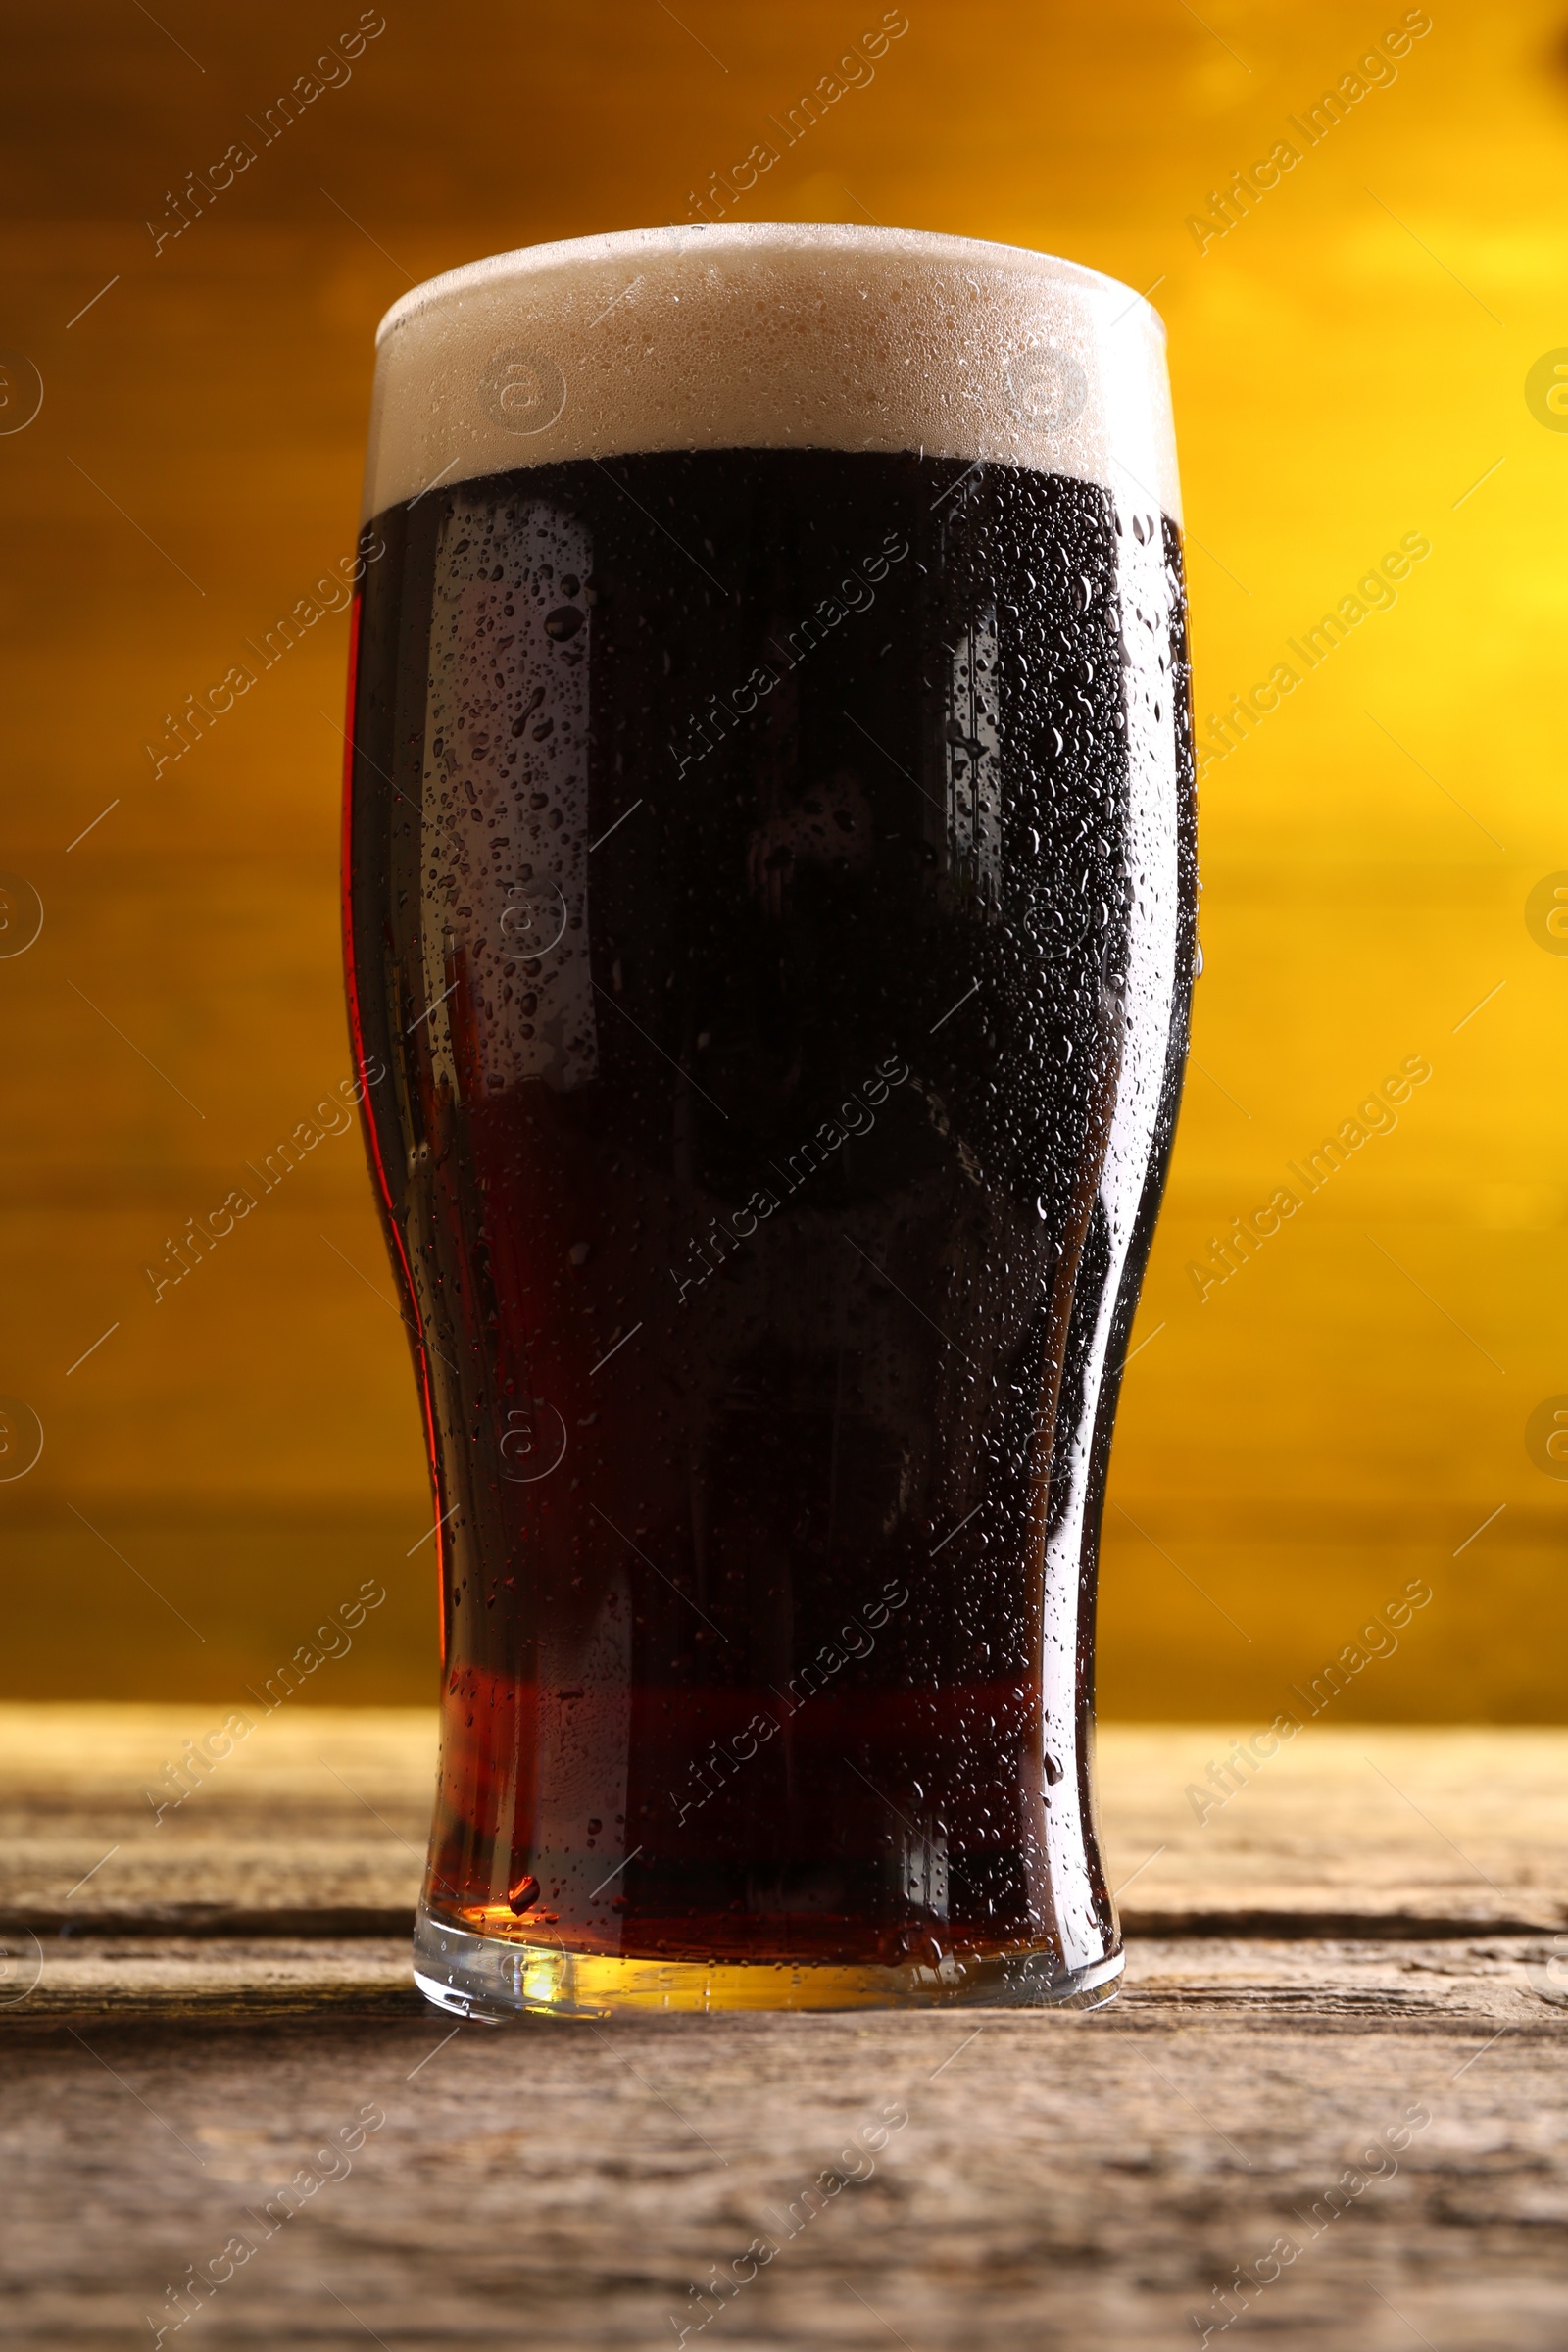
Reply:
x=771, y=337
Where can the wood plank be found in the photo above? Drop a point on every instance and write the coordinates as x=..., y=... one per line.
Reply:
x=1463, y=1826
x=1061, y=2181
x=90, y=1979
x=320, y=1814
x=323, y=1813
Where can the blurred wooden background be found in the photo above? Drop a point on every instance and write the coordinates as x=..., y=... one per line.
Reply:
x=1350, y=365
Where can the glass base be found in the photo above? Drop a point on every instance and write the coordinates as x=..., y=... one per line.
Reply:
x=492, y=1979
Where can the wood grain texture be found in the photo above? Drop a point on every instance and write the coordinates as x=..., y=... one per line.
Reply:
x=1388, y=1826
x=989, y=2180
x=323, y=1813
x=1059, y=2181
x=318, y=1817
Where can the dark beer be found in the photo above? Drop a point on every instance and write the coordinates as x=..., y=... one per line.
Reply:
x=757, y=902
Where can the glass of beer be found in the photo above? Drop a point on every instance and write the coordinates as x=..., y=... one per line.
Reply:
x=771, y=889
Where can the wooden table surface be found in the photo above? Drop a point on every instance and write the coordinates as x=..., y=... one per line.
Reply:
x=1332, y=2084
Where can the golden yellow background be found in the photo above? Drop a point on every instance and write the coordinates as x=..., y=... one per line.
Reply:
x=1349, y=362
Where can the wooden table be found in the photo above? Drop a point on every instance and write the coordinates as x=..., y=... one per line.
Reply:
x=1342, y=2028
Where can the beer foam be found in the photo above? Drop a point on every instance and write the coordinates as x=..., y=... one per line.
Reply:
x=771, y=336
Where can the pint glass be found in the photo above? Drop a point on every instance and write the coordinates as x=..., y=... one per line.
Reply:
x=769, y=920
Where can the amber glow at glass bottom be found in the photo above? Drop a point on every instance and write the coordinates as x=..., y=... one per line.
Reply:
x=726, y=1924
x=493, y=1976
